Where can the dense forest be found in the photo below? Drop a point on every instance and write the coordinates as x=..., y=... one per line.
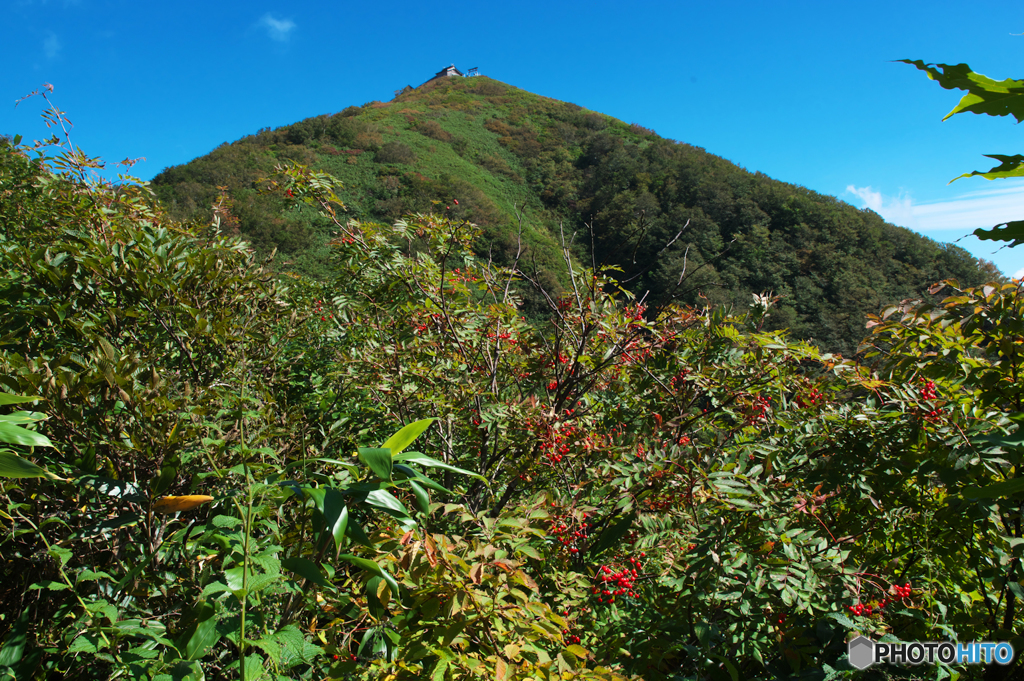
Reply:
x=423, y=458
x=682, y=224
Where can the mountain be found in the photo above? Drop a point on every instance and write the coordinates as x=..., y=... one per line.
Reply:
x=520, y=164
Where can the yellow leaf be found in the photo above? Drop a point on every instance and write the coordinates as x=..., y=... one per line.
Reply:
x=384, y=593
x=178, y=504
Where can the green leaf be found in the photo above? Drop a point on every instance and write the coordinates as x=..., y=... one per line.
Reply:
x=235, y=578
x=420, y=478
x=1016, y=589
x=22, y=417
x=379, y=461
x=611, y=536
x=373, y=567
x=1009, y=166
x=335, y=513
x=204, y=633
x=405, y=437
x=1006, y=231
x=60, y=553
x=364, y=563
x=384, y=499
x=1000, y=489
x=14, y=644
x=984, y=95
x=13, y=466
x=86, y=643
x=307, y=569
x=703, y=631
x=427, y=462
x=16, y=435
x=7, y=398
x=421, y=497
x=1015, y=439
x=49, y=584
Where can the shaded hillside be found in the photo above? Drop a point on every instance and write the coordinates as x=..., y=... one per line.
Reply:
x=489, y=152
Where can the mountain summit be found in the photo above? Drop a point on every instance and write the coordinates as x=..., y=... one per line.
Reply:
x=678, y=220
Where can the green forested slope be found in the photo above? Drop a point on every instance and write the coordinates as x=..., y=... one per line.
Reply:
x=482, y=150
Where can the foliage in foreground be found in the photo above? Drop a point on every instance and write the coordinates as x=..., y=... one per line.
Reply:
x=621, y=491
x=992, y=98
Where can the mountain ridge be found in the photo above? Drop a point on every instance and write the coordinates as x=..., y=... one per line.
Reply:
x=523, y=165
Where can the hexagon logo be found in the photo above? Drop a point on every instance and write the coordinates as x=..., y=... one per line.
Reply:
x=862, y=652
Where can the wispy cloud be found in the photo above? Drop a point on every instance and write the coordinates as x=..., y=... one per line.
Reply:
x=956, y=217
x=279, y=30
x=967, y=212
x=898, y=210
x=51, y=46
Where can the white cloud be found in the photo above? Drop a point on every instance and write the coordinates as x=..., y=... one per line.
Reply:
x=51, y=46
x=1019, y=274
x=967, y=212
x=278, y=29
x=898, y=210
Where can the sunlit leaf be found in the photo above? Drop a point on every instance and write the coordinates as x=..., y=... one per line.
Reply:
x=16, y=435
x=7, y=398
x=335, y=513
x=428, y=462
x=1000, y=489
x=405, y=437
x=179, y=504
x=13, y=466
x=379, y=461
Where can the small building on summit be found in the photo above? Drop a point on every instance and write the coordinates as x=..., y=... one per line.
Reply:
x=450, y=71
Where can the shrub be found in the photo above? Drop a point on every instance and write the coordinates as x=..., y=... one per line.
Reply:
x=433, y=129
x=395, y=152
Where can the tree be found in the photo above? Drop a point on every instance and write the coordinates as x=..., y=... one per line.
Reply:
x=993, y=98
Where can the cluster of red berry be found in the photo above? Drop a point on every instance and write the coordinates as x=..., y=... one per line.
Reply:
x=318, y=308
x=434, y=319
x=570, y=533
x=557, y=444
x=457, y=275
x=898, y=591
x=570, y=637
x=502, y=336
x=928, y=390
x=679, y=379
x=350, y=657
x=812, y=399
x=759, y=409
x=562, y=359
x=635, y=313
x=612, y=583
x=635, y=351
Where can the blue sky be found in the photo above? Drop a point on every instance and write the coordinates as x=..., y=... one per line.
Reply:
x=805, y=92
